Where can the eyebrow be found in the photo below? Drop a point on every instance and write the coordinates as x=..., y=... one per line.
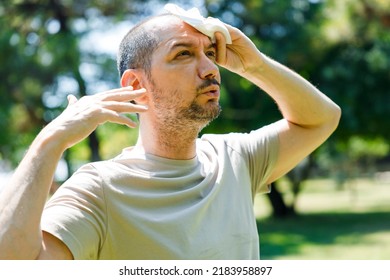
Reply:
x=188, y=45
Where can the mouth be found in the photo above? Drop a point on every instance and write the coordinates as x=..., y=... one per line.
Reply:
x=211, y=91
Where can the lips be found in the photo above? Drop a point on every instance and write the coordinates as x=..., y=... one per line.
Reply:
x=211, y=91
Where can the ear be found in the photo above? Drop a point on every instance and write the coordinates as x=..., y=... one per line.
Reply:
x=131, y=78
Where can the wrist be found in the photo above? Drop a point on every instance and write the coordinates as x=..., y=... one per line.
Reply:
x=50, y=140
x=255, y=68
x=265, y=71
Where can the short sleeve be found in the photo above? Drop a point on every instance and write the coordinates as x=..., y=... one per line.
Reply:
x=76, y=214
x=259, y=148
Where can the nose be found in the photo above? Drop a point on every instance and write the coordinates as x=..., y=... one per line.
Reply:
x=207, y=68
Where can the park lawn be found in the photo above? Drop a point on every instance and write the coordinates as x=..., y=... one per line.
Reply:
x=352, y=223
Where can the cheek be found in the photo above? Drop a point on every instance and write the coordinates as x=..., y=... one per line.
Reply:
x=177, y=84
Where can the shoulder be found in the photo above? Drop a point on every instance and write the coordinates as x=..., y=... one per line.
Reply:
x=245, y=142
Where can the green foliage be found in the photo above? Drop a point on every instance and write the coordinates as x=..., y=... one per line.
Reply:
x=114, y=138
x=280, y=29
x=343, y=47
x=45, y=55
x=360, y=147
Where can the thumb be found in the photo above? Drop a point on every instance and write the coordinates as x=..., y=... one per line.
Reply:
x=71, y=99
x=221, y=48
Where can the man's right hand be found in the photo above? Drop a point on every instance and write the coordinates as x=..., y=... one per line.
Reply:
x=83, y=116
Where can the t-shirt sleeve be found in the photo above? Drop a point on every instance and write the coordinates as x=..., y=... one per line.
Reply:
x=259, y=149
x=75, y=213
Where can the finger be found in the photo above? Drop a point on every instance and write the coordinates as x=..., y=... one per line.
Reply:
x=71, y=99
x=114, y=117
x=221, y=48
x=119, y=89
x=124, y=107
x=235, y=33
x=123, y=94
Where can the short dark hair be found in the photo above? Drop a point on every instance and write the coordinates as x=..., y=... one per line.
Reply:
x=137, y=46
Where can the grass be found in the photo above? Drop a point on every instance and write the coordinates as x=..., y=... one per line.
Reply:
x=332, y=224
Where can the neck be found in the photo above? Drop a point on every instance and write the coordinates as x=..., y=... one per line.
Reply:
x=169, y=139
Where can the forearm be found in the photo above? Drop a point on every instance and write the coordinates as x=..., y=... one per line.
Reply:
x=298, y=100
x=22, y=201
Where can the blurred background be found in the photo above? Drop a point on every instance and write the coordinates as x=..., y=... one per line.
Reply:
x=334, y=205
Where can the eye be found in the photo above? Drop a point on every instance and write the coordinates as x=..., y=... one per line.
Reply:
x=183, y=53
x=211, y=53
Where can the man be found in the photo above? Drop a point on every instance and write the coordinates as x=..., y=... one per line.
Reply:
x=172, y=195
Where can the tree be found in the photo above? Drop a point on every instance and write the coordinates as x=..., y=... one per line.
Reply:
x=340, y=46
x=43, y=60
x=343, y=47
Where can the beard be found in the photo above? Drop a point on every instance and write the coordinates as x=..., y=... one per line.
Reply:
x=193, y=115
x=197, y=113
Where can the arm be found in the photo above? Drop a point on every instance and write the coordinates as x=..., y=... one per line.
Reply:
x=22, y=201
x=309, y=116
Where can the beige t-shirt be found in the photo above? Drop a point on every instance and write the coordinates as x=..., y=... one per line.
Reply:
x=140, y=206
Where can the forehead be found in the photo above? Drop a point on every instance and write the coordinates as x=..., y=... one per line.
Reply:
x=172, y=30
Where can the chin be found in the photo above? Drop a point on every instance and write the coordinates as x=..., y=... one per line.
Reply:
x=208, y=112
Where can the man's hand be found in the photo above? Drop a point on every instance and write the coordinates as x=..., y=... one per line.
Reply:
x=241, y=56
x=83, y=116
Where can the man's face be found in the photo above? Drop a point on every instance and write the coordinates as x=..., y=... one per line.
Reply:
x=184, y=79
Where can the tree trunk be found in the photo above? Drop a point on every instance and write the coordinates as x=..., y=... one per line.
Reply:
x=279, y=207
x=94, y=146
